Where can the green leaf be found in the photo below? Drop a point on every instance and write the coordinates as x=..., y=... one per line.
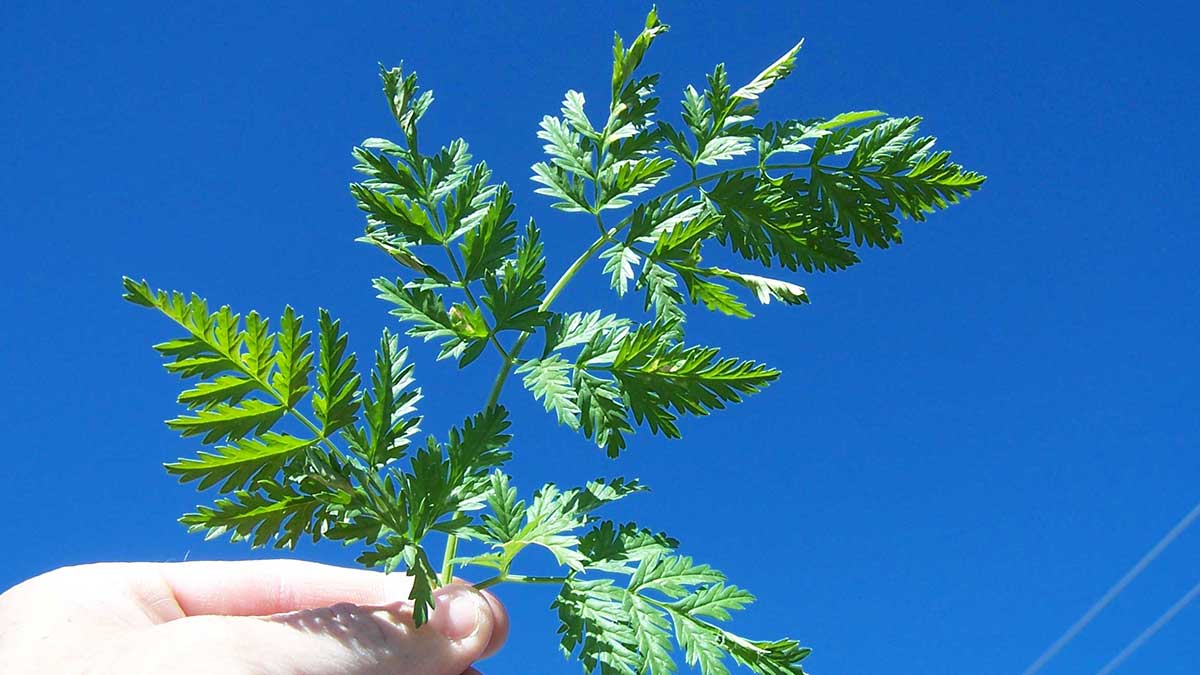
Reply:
x=446, y=479
x=389, y=408
x=773, y=220
x=651, y=631
x=335, y=402
x=448, y=170
x=259, y=343
x=224, y=389
x=771, y=75
x=672, y=576
x=864, y=173
x=792, y=136
x=764, y=288
x=271, y=513
x=564, y=331
x=722, y=148
x=549, y=380
x=406, y=104
x=424, y=580
x=630, y=132
x=426, y=310
x=228, y=421
x=213, y=343
x=610, y=548
x=590, y=614
x=775, y=657
x=718, y=298
x=473, y=451
x=507, y=515
x=400, y=179
x=715, y=602
x=293, y=361
x=630, y=178
x=626, y=61
x=657, y=218
x=718, y=120
x=399, y=248
x=660, y=380
x=470, y=202
x=573, y=113
x=884, y=141
x=662, y=294
x=389, y=554
x=602, y=412
x=403, y=221
x=848, y=118
x=603, y=491
x=239, y=363
x=549, y=521
x=701, y=646
x=619, y=264
x=513, y=292
x=243, y=464
x=495, y=238
x=715, y=297
x=891, y=173
x=628, y=630
x=557, y=183
x=565, y=147
x=468, y=322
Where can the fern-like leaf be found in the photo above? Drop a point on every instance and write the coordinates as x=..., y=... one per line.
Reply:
x=549, y=380
x=242, y=464
x=335, y=401
x=273, y=513
x=389, y=408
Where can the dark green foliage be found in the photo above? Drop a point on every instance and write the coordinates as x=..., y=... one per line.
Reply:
x=301, y=444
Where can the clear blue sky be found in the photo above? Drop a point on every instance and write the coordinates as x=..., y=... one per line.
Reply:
x=976, y=433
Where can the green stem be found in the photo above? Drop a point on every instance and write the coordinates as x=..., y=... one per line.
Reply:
x=606, y=235
x=518, y=579
x=511, y=358
x=448, y=558
x=506, y=367
x=697, y=182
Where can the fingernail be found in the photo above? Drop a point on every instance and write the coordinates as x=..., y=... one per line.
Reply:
x=459, y=613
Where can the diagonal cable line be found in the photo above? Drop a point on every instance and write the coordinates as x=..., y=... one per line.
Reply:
x=1114, y=591
x=1150, y=630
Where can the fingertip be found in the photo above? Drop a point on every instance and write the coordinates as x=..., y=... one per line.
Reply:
x=499, y=625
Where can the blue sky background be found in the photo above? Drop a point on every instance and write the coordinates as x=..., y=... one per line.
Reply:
x=976, y=433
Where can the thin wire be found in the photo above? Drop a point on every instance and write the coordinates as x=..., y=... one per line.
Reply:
x=1151, y=630
x=1113, y=592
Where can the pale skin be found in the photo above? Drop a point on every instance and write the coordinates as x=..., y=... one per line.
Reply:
x=269, y=617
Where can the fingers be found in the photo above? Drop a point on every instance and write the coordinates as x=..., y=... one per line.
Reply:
x=261, y=587
x=343, y=638
x=314, y=619
x=499, y=626
x=168, y=591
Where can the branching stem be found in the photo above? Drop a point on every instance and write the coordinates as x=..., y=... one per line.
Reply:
x=510, y=358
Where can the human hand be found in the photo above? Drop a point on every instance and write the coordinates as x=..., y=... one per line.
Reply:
x=252, y=618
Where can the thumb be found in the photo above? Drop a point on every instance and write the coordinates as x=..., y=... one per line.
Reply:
x=343, y=638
